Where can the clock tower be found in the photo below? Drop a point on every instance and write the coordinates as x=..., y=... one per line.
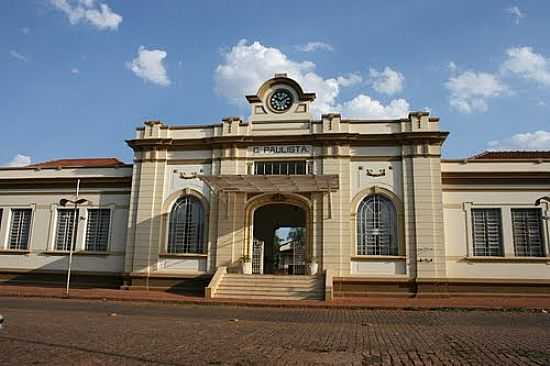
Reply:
x=280, y=99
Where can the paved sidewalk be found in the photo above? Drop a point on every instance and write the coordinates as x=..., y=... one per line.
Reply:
x=40, y=331
x=422, y=303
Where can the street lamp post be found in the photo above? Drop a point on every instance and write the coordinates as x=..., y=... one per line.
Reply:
x=64, y=202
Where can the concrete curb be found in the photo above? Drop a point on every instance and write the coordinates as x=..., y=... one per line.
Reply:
x=290, y=305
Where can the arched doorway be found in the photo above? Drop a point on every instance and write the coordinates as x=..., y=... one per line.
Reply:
x=279, y=239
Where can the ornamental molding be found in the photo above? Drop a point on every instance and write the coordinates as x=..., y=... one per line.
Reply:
x=376, y=172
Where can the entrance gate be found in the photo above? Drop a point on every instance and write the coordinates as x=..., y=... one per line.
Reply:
x=290, y=259
x=258, y=257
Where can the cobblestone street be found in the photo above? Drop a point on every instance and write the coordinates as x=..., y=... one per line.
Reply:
x=73, y=332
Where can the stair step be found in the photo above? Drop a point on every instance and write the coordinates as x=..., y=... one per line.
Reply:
x=266, y=276
x=270, y=287
x=268, y=283
x=269, y=297
x=273, y=278
x=266, y=290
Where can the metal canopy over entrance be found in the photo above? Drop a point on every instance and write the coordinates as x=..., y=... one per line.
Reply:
x=272, y=183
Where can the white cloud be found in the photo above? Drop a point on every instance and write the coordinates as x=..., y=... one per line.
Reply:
x=538, y=140
x=18, y=56
x=363, y=106
x=248, y=64
x=91, y=11
x=388, y=81
x=470, y=91
x=315, y=46
x=149, y=66
x=19, y=160
x=452, y=67
x=25, y=30
x=351, y=79
x=525, y=63
x=74, y=70
x=516, y=13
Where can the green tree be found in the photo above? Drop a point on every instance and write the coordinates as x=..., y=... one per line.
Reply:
x=296, y=233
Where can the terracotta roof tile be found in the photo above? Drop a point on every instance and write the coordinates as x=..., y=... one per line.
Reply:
x=511, y=155
x=79, y=163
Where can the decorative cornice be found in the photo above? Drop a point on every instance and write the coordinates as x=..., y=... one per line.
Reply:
x=32, y=182
x=492, y=161
x=401, y=138
x=498, y=178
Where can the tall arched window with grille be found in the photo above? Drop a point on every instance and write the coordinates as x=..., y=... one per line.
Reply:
x=186, y=229
x=377, y=227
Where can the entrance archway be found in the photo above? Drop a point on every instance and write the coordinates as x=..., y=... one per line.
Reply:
x=279, y=239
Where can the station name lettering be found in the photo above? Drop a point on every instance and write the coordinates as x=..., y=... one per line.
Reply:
x=282, y=149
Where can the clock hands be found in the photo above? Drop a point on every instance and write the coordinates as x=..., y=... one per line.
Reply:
x=281, y=100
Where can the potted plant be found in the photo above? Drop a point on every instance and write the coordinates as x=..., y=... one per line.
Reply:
x=246, y=264
x=313, y=264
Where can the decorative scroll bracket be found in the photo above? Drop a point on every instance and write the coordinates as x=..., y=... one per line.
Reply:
x=376, y=172
x=188, y=175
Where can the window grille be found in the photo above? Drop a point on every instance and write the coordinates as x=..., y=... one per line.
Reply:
x=98, y=229
x=377, y=227
x=186, y=229
x=20, y=228
x=527, y=229
x=487, y=232
x=257, y=256
x=283, y=167
x=65, y=229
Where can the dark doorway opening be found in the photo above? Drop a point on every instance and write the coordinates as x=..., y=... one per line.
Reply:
x=279, y=240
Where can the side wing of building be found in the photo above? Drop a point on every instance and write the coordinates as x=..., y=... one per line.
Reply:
x=36, y=231
x=497, y=238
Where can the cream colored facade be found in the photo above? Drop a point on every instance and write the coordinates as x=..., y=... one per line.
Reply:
x=347, y=161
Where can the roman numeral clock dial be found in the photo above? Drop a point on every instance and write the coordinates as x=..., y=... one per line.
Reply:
x=281, y=100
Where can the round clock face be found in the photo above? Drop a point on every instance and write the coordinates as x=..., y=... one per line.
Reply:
x=281, y=100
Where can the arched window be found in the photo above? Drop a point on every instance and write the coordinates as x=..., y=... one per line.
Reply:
x=376, y=227
x=186, y=231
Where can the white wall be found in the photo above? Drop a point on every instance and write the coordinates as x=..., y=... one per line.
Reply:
x=44, y=204
x=456, y=205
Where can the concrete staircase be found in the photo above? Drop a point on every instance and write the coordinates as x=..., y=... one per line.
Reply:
x=270, y=287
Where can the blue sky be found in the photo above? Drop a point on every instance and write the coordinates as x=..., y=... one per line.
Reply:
x=78, y=76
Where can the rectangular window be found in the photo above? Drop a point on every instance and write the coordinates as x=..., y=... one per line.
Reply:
x=527, y=228
x=284, y=167
x=65, y=229
x=98, y=229
x=487, y=232
x=20, y=228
